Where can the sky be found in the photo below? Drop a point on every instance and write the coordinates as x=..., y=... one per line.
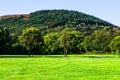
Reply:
x=108, y=10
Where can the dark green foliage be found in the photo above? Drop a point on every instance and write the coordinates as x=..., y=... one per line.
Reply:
x=115, y=44
x=66, y=40
x=50, y=43
x=5, y=40
x=53, y=18
x=47, y=20
x=98, y=41
x=30, y=39
x=77, y=47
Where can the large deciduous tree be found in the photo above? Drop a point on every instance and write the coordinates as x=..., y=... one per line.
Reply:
x=66, y=40
x=115, y=44
x=78, y=37
x=30, y=39
x=50, y=42
x=98, y=41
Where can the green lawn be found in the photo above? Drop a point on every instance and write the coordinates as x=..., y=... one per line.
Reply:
x=60, y=68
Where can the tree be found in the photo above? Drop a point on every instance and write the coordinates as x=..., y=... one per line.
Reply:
x=50, y=42
x=78, y=38
x=5, y=40
x=30, y=39
x=87, y=43
x=102, y=40
x=66, y=40
x=115, y=44
x=98, y=41
x=1, y=38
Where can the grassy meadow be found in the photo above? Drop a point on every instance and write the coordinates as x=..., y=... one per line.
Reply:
x=73, y=67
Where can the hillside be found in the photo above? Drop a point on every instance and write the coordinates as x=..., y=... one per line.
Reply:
x=49, y=19
x=63, y=17
x=53, y=18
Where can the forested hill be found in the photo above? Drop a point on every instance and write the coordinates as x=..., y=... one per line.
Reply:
x=65, y=17
x=52, y=18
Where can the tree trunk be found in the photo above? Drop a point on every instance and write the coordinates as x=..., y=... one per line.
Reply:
x=65, y=52
x=29, y=53
x=119, y=53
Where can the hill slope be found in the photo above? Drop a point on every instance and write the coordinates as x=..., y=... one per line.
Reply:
x=54, y=18
x=49, y=19
x=62, y=17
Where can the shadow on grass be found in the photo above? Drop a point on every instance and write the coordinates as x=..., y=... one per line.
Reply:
x=14, y=56
x=59, y=56
x=32, y=56
x=100, y=56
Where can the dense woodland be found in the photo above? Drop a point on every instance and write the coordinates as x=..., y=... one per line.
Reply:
x=57, y=32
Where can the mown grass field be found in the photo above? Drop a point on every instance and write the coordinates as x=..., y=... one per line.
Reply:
x=83, y=67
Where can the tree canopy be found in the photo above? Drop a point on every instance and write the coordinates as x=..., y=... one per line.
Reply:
x=30, y=39
x=50, y=42
x=115, y=43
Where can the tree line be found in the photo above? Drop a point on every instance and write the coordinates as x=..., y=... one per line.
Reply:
x=67, y=41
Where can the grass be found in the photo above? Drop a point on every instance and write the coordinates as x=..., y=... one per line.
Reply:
x=74, y=67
